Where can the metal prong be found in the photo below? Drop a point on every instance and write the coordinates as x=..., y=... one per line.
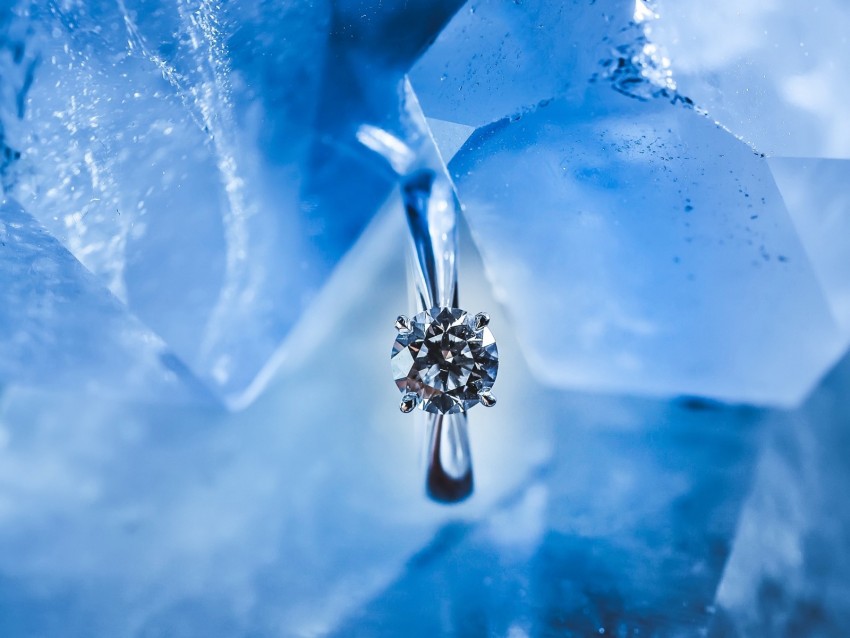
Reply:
x=482, y=319
x=402, y=323
x=408, y=402
x=487, y=398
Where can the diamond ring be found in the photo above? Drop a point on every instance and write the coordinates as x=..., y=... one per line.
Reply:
x=444, y=359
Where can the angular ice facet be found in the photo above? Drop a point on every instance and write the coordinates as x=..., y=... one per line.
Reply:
x=499, y=58
x=202, y=158
x=769, y=71
x=625, y=532
x=131, y=161
x=449, y=136
x=788, y=571
x=818, y=199
x=654, y=243
x=280, y=519
x=61, y=329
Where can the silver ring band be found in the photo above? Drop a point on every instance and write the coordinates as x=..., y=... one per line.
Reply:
x=431, y=209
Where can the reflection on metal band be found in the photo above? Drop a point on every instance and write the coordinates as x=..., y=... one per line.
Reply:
x=432, y=212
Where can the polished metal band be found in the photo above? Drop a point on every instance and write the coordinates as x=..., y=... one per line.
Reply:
x=432, y=208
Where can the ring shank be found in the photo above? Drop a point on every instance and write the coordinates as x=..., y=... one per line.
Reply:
x=432, y=215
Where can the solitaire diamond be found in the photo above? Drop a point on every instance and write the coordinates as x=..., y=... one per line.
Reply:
x=445, y=360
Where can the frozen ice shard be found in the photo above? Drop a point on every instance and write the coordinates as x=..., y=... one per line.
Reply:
x=769, y=71
x=449, y=136
x=131, y=161
x=61, y=329
x=498, y=58
x=788, y=571
x=656, y=246
x=625, y=532
x=282, y=518
x=818, y=199
x=202, y=158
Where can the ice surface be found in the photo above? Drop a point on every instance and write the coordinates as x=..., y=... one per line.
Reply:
x=789, y=571
x=130, y=163
x=625, y=533
x=61, y=329
x=202, y=159
x=769, y=71
x=278, y=520
x=449, y=136
x=498, y=58
x=817, y=196
x=641, y=248
x=214, y=164
x=302, y=516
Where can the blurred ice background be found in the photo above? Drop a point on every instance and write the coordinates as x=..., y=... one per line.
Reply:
x=202, y=253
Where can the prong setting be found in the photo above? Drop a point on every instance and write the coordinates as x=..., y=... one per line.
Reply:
x=482, y=320
x=444, y=360
x=402, y=323
x=408, y=402
x=488, y=400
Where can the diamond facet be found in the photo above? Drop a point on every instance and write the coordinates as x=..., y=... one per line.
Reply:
x=446, y=359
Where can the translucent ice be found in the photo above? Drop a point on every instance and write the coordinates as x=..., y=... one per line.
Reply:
x=788, y=571
x=300, y=516
x=818, y=200
x=61, y=329
x=201, y=158
x=499, y=58
x=278, y=520
x=449, y=136
x=769, y=71
x=625, y=533
x=641, y=248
